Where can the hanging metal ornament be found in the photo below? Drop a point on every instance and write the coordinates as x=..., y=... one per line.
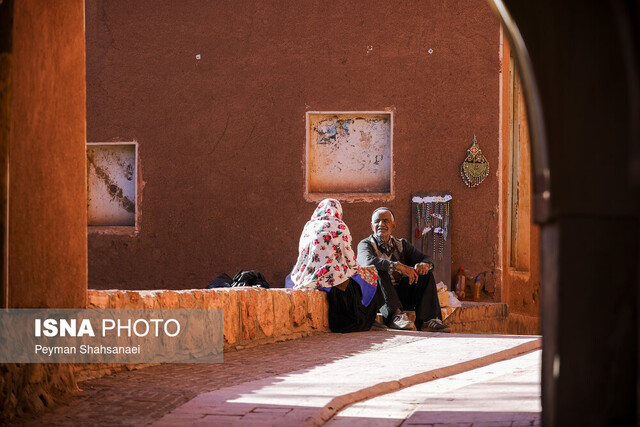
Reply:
x=475, y=167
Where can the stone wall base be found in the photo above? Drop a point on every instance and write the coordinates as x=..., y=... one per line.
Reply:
x=491, y=318
x=522, y=324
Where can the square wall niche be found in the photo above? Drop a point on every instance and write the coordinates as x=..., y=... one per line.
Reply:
x=349, y=155
x=111, y=184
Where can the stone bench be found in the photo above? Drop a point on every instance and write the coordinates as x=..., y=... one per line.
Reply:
x=251, y=316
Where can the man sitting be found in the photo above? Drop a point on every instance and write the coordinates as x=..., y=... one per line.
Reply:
x=405, y=276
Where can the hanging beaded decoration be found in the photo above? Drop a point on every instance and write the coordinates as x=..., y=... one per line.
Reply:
x=447, y=205
x=437, y=232
x=475, y=167
x=417, y=220
x=423, y=214
x=426, y=210
x=435, y=229
x=433, y=215
x=442, y=220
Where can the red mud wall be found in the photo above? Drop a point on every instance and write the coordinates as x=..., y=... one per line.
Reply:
x=47, y=184
x=222, y=138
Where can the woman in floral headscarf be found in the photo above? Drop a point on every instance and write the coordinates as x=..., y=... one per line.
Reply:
x=326, y=261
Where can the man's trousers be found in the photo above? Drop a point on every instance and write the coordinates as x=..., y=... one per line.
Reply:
x=422, y=297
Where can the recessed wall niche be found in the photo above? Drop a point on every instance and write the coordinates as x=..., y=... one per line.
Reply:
x=111, y=184
x=349, y=154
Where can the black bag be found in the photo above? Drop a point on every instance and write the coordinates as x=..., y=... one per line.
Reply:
x=249, y=278
x=222, y=281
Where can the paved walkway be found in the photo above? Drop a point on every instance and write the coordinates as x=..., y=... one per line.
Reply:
x=299, y=382
x=505, y=393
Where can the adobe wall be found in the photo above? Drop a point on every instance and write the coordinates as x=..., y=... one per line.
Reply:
x=222, y=138
x=520, y=252
x=42, y=94
x=6, y=49
x=47, y=186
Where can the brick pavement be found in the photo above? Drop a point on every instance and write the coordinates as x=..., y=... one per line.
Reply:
x=143, y=396
x=311, y=396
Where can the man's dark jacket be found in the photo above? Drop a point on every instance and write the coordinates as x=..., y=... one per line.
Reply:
x=368, y=254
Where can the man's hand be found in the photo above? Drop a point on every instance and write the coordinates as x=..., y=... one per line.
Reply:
x=408, y=271
x=423, y=268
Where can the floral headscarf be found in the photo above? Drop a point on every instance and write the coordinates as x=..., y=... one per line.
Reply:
x=325, y=252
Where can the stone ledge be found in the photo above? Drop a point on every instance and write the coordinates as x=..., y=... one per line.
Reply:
x=491, y=318
x=476, y=311
x=480, y=318
x=251, y=316
x=522, y=324
x=485, y=326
